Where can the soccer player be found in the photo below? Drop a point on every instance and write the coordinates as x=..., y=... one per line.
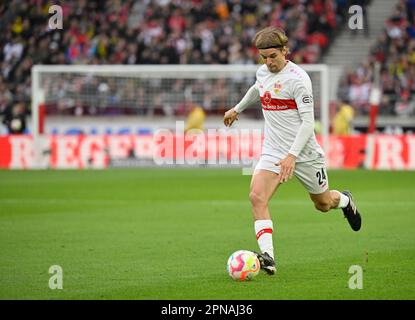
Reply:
x=290, y=146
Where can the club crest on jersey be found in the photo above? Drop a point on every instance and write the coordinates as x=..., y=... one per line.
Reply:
x=267, y=97
x=277, y=87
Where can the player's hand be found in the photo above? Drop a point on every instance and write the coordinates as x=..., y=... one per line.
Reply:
x=287, y=166
x=229, y=117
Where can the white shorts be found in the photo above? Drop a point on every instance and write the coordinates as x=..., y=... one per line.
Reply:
x=312, y=174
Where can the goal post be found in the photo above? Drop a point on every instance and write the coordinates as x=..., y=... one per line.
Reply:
x=147, y=88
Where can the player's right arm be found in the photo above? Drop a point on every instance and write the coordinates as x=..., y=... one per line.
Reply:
x=250, y=98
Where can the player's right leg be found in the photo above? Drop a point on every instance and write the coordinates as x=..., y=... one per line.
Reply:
x=263, y=185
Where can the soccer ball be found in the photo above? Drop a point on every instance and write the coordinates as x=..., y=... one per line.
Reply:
x=243, y=265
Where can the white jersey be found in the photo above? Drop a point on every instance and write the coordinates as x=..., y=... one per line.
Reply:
x=285, y=97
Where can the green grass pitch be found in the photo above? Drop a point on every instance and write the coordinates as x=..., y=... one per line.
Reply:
x=167, y=234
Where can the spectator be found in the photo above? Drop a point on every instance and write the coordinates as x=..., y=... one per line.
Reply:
x=343, y=118
x=404, y=106
x=15, y=118
x=359, y=95
x=196, y=118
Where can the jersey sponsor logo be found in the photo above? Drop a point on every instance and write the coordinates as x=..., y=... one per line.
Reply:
x=271, y=104
x=279, y=108
x=307, y=99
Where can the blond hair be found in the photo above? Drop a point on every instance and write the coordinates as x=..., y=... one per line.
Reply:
x=270, y=37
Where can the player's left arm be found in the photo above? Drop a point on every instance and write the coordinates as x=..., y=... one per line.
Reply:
x=303, y=96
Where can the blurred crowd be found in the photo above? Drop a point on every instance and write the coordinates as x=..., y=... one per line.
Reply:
x=154, y=32
x=394, y=51
x=98, y=95
x=187, y=32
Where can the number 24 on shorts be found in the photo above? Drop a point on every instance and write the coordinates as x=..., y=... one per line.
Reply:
x=321, y=176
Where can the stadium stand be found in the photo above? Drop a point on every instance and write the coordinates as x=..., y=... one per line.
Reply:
x=395, y=51
x=197, y=32
x=154, y=32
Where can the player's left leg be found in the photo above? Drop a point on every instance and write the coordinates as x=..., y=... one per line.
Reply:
x=313, y=176
x=333, y=199
x=329, y=199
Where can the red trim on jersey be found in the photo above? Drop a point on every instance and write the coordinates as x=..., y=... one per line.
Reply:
x=261, y=232
x=278, y=104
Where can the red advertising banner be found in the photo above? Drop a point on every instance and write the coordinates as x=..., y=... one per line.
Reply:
x=386, y=152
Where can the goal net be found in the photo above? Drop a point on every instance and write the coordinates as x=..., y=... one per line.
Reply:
x=150, y=92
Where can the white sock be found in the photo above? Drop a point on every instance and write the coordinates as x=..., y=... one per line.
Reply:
x=344, y=200
x=263, y=231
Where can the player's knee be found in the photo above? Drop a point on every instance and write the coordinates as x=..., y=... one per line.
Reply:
x=257, y=199
x=322, y=206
